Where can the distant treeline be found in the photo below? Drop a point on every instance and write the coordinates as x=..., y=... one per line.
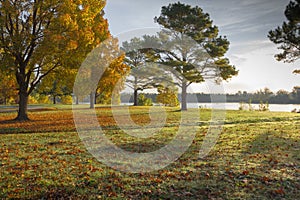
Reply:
x=265, y=95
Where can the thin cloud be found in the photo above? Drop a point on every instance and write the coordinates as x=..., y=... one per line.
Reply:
x=245, y=23
x=250, y=46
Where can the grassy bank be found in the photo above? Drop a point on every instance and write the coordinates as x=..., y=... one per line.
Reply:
x=256, y=157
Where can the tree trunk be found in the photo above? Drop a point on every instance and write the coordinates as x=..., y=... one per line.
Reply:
x=23, y=103
x=77, y=100
x=54, y=99
x=135, y=93
x=92, y=100
x=183, y=96
x=135, y=98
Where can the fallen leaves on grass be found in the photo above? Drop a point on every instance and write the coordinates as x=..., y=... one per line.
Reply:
x=56, y=165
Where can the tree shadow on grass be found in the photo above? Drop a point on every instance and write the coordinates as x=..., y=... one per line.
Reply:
x=274, y=145
x=57, y=193
x=275, y=160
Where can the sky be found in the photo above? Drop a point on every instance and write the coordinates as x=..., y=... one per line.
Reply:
x=245, y=23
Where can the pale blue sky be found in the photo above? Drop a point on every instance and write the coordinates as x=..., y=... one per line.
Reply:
x=245, y=23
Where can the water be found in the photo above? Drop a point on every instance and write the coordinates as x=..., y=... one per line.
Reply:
x=235, y=106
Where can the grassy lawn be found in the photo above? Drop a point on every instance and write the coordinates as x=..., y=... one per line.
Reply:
x=256, y=157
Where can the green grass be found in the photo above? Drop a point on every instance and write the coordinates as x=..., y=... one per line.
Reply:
x=257, y=156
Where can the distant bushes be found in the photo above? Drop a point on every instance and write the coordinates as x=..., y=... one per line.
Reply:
x=144, y=101
x=45, y=99
x=167, y=97
x=67, y=100
x=38, y=99
x=248, y=106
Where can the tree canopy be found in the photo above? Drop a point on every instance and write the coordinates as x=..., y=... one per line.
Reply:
x=288, y=35
x=8, y=86
x=192, y=47
x=58, y=83
x=102, y=73
x=167, y=96
x=38, y=36
x=112, y=81
x=144, y=72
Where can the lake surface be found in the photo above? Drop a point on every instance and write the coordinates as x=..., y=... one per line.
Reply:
x=235, y=106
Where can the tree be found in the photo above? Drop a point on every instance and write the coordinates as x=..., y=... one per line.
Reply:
x=102, y=73
x=38, y=36
x=143, y=74
x=296, y=94
x=263, y=95
x=58, y=84
x=192, y=47
x=112, y=82
x=281, y=96
x=167, y=96
x=288, y=35
x=8, y=88
x=134, y=58
x=144, y=101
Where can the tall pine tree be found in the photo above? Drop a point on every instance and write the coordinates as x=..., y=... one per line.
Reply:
x=288, y=35
x=192, y=47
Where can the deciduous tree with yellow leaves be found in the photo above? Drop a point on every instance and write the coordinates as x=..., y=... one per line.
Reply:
x=38, y=36
x=8, y=85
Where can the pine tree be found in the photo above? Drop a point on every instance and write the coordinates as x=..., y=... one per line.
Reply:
x=288, y=35
x=192, y=47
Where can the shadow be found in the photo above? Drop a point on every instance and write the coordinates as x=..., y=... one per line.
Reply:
x=274, y=143
x=58, y=193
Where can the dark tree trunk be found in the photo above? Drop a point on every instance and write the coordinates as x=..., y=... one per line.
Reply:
x=135, y=93
x=23, y=93
x=183, y=96
x=54, y=99
x=23, y=103
x=92, y=100
x=77, y=100
x=135, y=98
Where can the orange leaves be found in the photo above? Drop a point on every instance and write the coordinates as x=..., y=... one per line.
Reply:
x=40, y=122
x=279, y=191
x=57, y=165
x=113, y=79
x=265, y=180
x=245, y=172
x=156, y=180
x=72, y=45
x=207, y=175
x=54, y=121
x=66, y=19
